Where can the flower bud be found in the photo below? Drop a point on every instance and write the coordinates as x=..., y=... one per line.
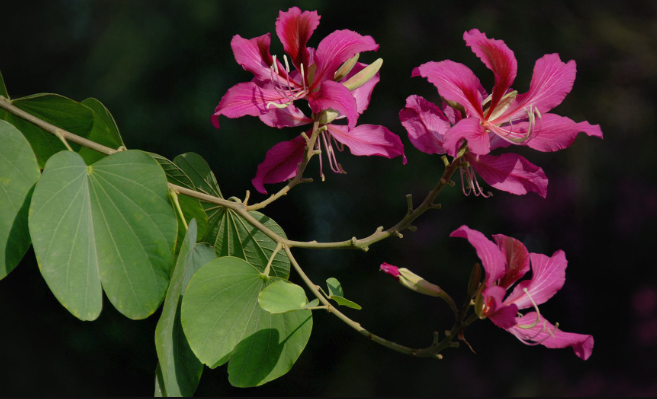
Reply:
x=411, y=280
x=364, y=76
x=346, y=68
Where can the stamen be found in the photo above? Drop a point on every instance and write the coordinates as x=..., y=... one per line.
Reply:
x=318, y=147
x=479, y=189
x=303, y=77
x=287, y=66
x=538, y=313
x=338, y=145
x=333, y=162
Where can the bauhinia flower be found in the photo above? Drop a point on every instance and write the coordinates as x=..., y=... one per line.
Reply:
x=314, y=75
x=506, y=261
x=427, y=127
x=514, y=118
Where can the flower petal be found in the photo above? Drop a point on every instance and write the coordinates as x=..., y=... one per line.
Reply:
x=337, y=48
x=425, y=123
x=281, y=163
x=491, y=257
x=503, y=316
x=455, y=82
x=245, y=99
x=551, y=82
x=290, y=116
x=549, y=336
x=517, y=259
x=548, y=276
x=554, y=132
x=471, y=130
x=369, y=140
x=294, y=28
x=498, y=58
x=253, y=55
x=510, y=172
x=335, y=96
x=363, y=93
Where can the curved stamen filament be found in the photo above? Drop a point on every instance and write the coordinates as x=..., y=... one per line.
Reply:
x=333, y=162
x=517, y=138
x=471, y=182
x=538, y=313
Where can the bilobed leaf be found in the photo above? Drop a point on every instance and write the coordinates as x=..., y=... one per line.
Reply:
x=57, y=110
x=334, y=287
x=231, y=235
x=345, y=302
x=199, y=172
x=191, y=207
x=110, y=223
x=281, y=297
x=180, y=369
x=104, y=131
x=223, y=321
x=19, y=172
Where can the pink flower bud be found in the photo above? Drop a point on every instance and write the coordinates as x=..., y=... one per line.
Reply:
x=391, y=270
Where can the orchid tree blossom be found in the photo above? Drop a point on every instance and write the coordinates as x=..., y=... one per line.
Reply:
x=427, y=126
x=282, y=160
x=311, y=75
x=506, y=261
x=514, y=118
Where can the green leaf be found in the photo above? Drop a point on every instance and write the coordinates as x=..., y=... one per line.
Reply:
x=334, y=287
x=104, y=131
x=223, y=321
x=3, y=88
x=160, y=390
x=282, y=296
x=336, y=293
x=199, y=172
x=191, y=207
x=345, y=302
x=57, y=110
x=110, y=223
x=19, y=172
x=231, y=235
x=180, y=369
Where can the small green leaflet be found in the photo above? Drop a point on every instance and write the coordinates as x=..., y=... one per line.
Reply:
x=179, y=368
x=19, y=172
x=57, y=110
x=109, y=223
x=336, y=293
x=281, y=297
x=224, y=323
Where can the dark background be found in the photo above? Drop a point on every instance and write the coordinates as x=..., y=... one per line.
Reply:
x=161, y=68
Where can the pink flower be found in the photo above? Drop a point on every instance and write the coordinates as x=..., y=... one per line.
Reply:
x=506, y=261
x=515, y=119
x=427, y=126
x=276, y=85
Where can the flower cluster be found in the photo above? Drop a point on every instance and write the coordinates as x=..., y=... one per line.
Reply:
x=503, y=118
x=329, y=78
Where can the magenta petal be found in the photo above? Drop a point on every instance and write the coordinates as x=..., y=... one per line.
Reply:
x=290, y=116
x=363, y=93
x=554, y=132
x=471, y=130
x=369, y=140
x=387, y=268
x=517, y=259
x=548, y=276
x=335, y=96
x=253, y=55
x=281, y=163
x=498, y=58
x=455, y=82
x=547, y=335
x=491, y=257
x=338, y=47
x=425, y=123
x=510, y=172
x=503, y=316
x=245, y=99
x=551, y=82
x=294, y=28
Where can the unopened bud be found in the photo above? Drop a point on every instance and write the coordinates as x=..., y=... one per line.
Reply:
x=364, y=76
x=346, y=68
x=475, y=279
x=411, y=280
x=328, y=116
